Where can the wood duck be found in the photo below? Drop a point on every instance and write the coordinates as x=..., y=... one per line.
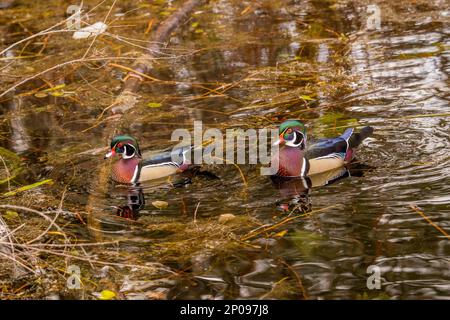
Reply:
x=295, y=159
x=131, y=168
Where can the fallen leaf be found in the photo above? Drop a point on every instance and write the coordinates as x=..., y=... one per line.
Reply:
x=226, y=217
x=55, y=88
x=153, y=104
x=107, y=295
x=57, y=94
x=40, y=95
x=160, y=204
x=305, y=97
x=10, y=215
x=281, y=234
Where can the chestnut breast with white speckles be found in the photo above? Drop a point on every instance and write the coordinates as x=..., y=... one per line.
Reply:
x=123, y=170
x=289, y=161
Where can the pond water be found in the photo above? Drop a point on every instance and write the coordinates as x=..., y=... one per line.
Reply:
x=312, y=60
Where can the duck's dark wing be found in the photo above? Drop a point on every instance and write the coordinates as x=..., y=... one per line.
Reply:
x=338, y=146
x=173, y=157
x=326, y=148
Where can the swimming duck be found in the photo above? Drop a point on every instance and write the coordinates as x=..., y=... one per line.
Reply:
x=131, y=168
x=297, y=159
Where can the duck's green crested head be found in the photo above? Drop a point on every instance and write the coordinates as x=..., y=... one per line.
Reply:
x=125, y=145
x=124, y=139
x=288, y=127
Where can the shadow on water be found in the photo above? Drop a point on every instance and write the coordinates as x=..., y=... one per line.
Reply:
x=286, y=59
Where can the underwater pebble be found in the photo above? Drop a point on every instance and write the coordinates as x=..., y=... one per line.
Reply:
x=226, y=217
x=265, y=242
x=53, y=296
x=104, y=272
x=160, y=204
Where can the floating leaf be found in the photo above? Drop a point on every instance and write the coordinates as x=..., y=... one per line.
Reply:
x=10, y=215
x=226, y=217
x=160, y=204
x=305, y=97
x=153, y=104
x=281, y=234
x=28, y=187
x=40, y=95
x=55, y=88
x=57, y=93
x=198, y=31
x=194, y=24
x=107, y=295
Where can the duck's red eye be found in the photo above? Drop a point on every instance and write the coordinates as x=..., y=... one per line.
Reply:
x=289, y=130
x=119, y=144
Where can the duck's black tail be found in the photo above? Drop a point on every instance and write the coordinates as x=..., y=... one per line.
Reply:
x=357, y=137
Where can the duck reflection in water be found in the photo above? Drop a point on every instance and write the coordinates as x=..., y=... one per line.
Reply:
x=135, y=202
x=295, y=191
x=135, y=198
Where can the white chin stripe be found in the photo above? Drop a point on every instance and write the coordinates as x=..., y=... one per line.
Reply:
x=276, y=142
x=109, y=154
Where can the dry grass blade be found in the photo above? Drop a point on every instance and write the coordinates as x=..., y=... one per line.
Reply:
x=416, y=209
